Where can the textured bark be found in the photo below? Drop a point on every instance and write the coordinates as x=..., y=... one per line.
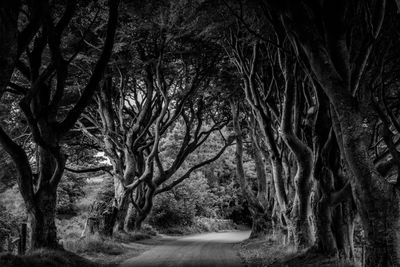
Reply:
x=343, y=228
x=40, y=107
x=261, y=219
x=43, y=211
x=377, y=201
x=333, y=210
x=328, y=55
x=42, y=220
x=121, y=198
x=146, y=209
x=261, y=225
x=300, y=213
x=325, y=242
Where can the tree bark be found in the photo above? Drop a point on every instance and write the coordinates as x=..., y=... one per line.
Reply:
x=146, y=208
x=300, y=213
x=261, y=225
x=377, y=200
x=258, y=211
x=42, y=220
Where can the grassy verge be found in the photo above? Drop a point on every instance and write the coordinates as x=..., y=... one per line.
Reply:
x=269, y=252
x=109, y=251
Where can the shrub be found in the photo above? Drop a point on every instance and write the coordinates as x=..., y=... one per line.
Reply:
x=8, y=229
x=70, y=228
x=149, y=230
x=182, y=204
x=169, y=212
x=213, y=225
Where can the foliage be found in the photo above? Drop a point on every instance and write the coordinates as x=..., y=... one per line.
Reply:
x=180, y=205
x=69, y=192
x=12, y=201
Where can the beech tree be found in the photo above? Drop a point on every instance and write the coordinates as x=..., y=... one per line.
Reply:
x=295, y=124
x=336, y=41
x=259, y=206
x=43, y=64
x=127, y=145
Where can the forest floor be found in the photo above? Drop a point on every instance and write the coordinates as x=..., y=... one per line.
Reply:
x=269, y=252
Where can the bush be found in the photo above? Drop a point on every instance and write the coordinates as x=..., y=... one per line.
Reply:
x=169, y=212
x=149, y=230
x=182, y=204
x=213, y=225
x=70, y=228
x=8, y=229
x=201, y=225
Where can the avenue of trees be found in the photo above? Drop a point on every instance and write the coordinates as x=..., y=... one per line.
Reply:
x=307, y=91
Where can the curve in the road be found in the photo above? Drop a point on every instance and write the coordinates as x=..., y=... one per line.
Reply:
x=203, y=250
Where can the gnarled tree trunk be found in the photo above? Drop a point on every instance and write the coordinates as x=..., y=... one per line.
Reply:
x=301, y=211
x=261, y=219
x=42, y=219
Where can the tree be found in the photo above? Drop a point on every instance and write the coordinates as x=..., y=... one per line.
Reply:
x=258, y=206
x=42, y=104
x=339, y=65
x=294, y=124
x=171, y=74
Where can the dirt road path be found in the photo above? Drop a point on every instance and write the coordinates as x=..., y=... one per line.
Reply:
x=203, y=250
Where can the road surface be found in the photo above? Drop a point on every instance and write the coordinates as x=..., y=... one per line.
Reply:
x=203, y=250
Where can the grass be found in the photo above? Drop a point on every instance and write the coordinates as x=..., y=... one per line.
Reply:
x=101, y=250
x=108, y=251
x=94, y=244
x=270, y=252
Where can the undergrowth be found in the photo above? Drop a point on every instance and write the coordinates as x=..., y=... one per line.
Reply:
x=200, y=225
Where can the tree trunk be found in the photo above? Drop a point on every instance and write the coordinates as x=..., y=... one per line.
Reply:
x=42, y=220
x=377, y=200
x=122, y=213
x=301, y=210
x=103, y=212
x=257, y=209
x=343, y=228
x=333, y=221
x=147, y=207
x=325, y=241
x=261, y=225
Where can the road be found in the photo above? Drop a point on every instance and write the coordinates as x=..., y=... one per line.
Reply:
x=203, y=250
